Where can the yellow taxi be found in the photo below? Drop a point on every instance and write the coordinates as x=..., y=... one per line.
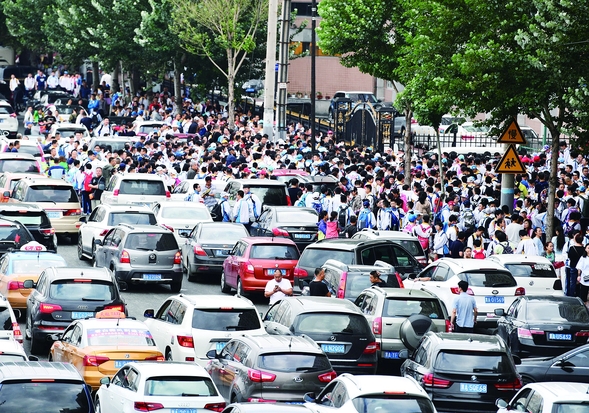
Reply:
x=26, y=263
x=100, y=346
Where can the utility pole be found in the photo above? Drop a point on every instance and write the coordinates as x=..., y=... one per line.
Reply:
x=283, y=68
x=270, y=70
x=313, y=67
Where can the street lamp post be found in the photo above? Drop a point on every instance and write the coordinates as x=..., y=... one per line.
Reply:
x=313, y=67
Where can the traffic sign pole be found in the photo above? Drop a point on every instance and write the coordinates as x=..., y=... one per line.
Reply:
x=507, y=184
x=510, y=164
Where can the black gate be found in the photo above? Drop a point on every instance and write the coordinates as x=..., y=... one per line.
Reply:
x=361, y=128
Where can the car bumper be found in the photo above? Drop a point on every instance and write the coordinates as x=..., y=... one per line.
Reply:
x=532, y=350
x=355, y=367
x=42, y=330
x=135, y=276
x=210, y=265
x=66, y=225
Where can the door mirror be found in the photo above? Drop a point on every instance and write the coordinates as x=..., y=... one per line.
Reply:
x=499, y=312
x=309, y=397
x=6, y=194
x=149, y=313
x=55, y=337
x=502, y=404
x=83, y=219
x=29, y=284
x=212, y=354
x=183, y=235
x=97, y=242
x=33, y=358
x=105, y=380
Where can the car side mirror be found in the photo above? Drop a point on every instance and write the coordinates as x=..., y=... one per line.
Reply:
x=33, y=358
x=55, y=337
x=97, y=242
x=562, y=363
x=83, y=219
x=149, y=313
x=29, y=284
x=411, y=276
x=310, y=397
x=105, y=380
x=6, y=194
x=502, y=404
x=183, y=235
x=404, y=354
x=212, y=354
x=499, y=312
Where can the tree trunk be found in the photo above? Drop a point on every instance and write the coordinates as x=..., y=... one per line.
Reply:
x=553, y=182
x=95, y=76
x=231, y=88
x=407, y=156
x=177, y=86
x=135, y=80
x=115, y=79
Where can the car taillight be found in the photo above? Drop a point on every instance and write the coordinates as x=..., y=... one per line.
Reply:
x=215, y=407
x=15, y=285
x=399, y=280
x=94, y=360
x=525, y=333
x=120, y=308
x=178, y=257
x=259, y=376
x=520, y=291
x=49, y=308
x=115, y=192
x=168, y=195
x=248, y=266
x=372, y=348
x=456, y=290
x=49, y=231
x=327, y=377
x=300, y=273
x=72, y=212
x=377, y=326
x=288, y=201
x=448, y=326
x=16, y=332
x=430, y=380
x=147, y=406
x=199, y=251
x=155, y=358
x=277, y=232
x=125, y=257
x=583, y=333
x=512, y=385
x=103, y=232
x=186, y=341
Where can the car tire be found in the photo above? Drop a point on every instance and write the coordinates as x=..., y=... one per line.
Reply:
x=176, y=286
x=28, y=329
x=36, y=346
x=81, y=255
x=413, y=329
x=169, y=355
x=240, y=289
x=189, y=275
x=224, y=287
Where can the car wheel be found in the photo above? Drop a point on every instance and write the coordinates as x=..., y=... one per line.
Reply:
x=240, y=289
x=189, y=275
x=36, y=346
x=97, y=407
x=413, y=329
x=28, y=331
x=169, y=355
x=176, y=286
x=81, y=250
x=224, y=287
x=93, y=256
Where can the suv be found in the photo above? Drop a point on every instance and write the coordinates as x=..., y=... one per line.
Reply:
x=105, y=217
x=269, y=368
x=400, y=317
x=29, y=387
x=141, y=254
x=137, y=189
x=19, y=162
x=35, y=219
x=269, y=192
x=547, y=398
x=8, y=119
x=463, y=372
x=535, y=274
x=62, y=295
x=336, y=325
x=13, y=235
x=186, y=327
x=30, y=146
x=355, y=252
x=408, y=241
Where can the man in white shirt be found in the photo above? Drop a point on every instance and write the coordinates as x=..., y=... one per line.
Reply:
x=241, y=213
x=278, y=287
x=513, y=229
x=52, y=81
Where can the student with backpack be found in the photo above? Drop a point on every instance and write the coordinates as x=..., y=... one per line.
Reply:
x=440, y=247
x=366, y=217
x=322, y=225
x=351, y=228
x=478, y=251
x=343, y=212
x=424, y=232
x=384, y=216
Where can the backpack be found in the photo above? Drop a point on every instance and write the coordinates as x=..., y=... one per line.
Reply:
x=480, y=254
x=217, y=211
x=507, y=248
x=317, y=205
x=439, y=217
x=364, y=219
x=342, y=215
x=424, y=241
x=303, y=201
x=87, y=181
x=395, y=223
x=468, y=219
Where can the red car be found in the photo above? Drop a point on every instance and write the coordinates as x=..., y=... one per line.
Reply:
x=253, y=260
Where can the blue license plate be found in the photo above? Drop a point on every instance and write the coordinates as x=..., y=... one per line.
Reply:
x=53, y=214
x=121, y=363
x=333, y=348
x=184, y=231
x=495, y=300
x=294, y=402
x=560, y=337
x=184, y=410
x=221, y=253
x=220, y=346
x=473, y=388
x=76, y=315
x=302, y=236
x=390, y=355
x=152, y=277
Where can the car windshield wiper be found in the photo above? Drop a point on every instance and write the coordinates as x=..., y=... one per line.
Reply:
x=236, y=328
x=91, y=299
x=502, y=285
x=306, y=369
x=343, y=332
x=190, y=395
x=482, y=370
x=282, y=258
x=142, y=249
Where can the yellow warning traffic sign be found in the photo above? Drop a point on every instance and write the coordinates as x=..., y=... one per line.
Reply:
x=512, y=134
x=510, y=163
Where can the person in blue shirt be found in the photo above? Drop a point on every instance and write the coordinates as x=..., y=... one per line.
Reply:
x=464, y=310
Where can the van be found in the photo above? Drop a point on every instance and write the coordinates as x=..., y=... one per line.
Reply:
x=135, y=189
x=270, y=192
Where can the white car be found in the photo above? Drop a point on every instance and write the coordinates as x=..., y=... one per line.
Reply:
x=553, y=397
x=535, y=274
x=103, y=218
x=410, y=242
x=146, y=127
x=162, y=387
x=8, y=119
x=181, y=216
x=9, y=327
x=353, y=394
x=186, y=327
x=490, y=283
x=136, y=189
x=66, y=130
x=11, y=350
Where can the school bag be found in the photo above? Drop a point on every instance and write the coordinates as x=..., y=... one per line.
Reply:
x=364, y=219
x=424, y=241
x=480, y=254
x=343, y=215
x=317, y=205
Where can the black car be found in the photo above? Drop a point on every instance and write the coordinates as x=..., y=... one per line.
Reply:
x=35, y=219
x=544, y=325
x=207, y=246
x=572, y=366
x=463, y=372
x=298, y=224
x=62, y=295
x=336, y=325
x=13, y=235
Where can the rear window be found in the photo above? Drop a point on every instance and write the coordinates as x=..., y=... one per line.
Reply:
x=5, y=319
x=489, y=279
x=201, y=214
x=399, y=307
x=30, y=149
x=225, y=233
x=142, y=187
x=358, y=282
x=473, y=362
x=226, y=320
x=180, y=385
x=132, y=218
x=119, y=337
x=149, y=128
x=275, y=252
x=36, y=266
x=26, y=218
x=19, y=165
x=412, y=246
x=6, y=110
x=337, y=323
x=73, y=290
x=270, y=195
x=6, y=358
x=301, y=217
x=50, y=193
x=557, y=312
x=316, y=257
x=379, y=403
x=66, y=133
x=32, y=397
x=151, y=241
x=294, y=362
x=531, y=270
x=18, y=235
x=571, y=407
x=111, y=145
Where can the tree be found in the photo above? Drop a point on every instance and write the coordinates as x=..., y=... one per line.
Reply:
x=230, y=24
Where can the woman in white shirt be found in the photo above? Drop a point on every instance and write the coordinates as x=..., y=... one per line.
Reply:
x=440, y=240
x=583, y=271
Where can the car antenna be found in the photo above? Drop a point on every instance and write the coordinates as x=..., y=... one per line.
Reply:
x=290, y=343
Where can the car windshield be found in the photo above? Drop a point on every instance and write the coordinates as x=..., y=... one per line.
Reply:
x=66, y=133
x=316, y=257
x=6, y=358
x=65, y=396
x=473, y=362
x=571, y=407
x=274, y=252
x=298, y=216
x=530, y=269
x=488, y=279
x=378, y=403
x=180, y=386
x=132, y=218
x=50, y=193
x=119, y=336
x=151, y=241
x=6, y=110
x=356, y=282
x=223, y=233
x=194, y=213
x=148, y=128
x=25, y=217
x=82, y=290
x=219, y=319
x=142, y=187
x=405, y=307
x=270, y=195
x=36, y=266
x=339, y=323
x=294, y=362
x=557, y=312
x=19, y=165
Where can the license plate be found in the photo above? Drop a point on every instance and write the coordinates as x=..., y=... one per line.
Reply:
x=152, y=276
x=220, y=345
x=495, y=299
x=121, y=363
x=390, y=355
x=333, y=348
x=221, y=253
x=271, y=271
x=184, y=410
x=302, y=236
x=54, y=214
x=560, y=337
x=293, y=402
x=473, y=388
x=76, y=315
x=184, y=231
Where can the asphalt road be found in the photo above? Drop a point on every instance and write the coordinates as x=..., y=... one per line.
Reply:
x=143, y=297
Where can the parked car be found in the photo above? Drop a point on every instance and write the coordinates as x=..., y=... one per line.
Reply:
x=9, y=327
x=34, y=218
x=408, y=241
x=19, y=163
x=141, y=254
x=30, y=146
x=186, y=187
x=269, y=369
x=8, y=181
x=535, y=274
x=298, y=224
x=111, y=144
x=207, y=246
x=180, y=216
x=13, y=235
x=570, y=366
x=336, y=325
x=463, y=372
x=136, y=189
x=13, y=351
x=253, y=261
x=270, y=192
x=186, y=327
x=265, y=408
x=8, y=120
x=67, y=130
x=548, y=398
